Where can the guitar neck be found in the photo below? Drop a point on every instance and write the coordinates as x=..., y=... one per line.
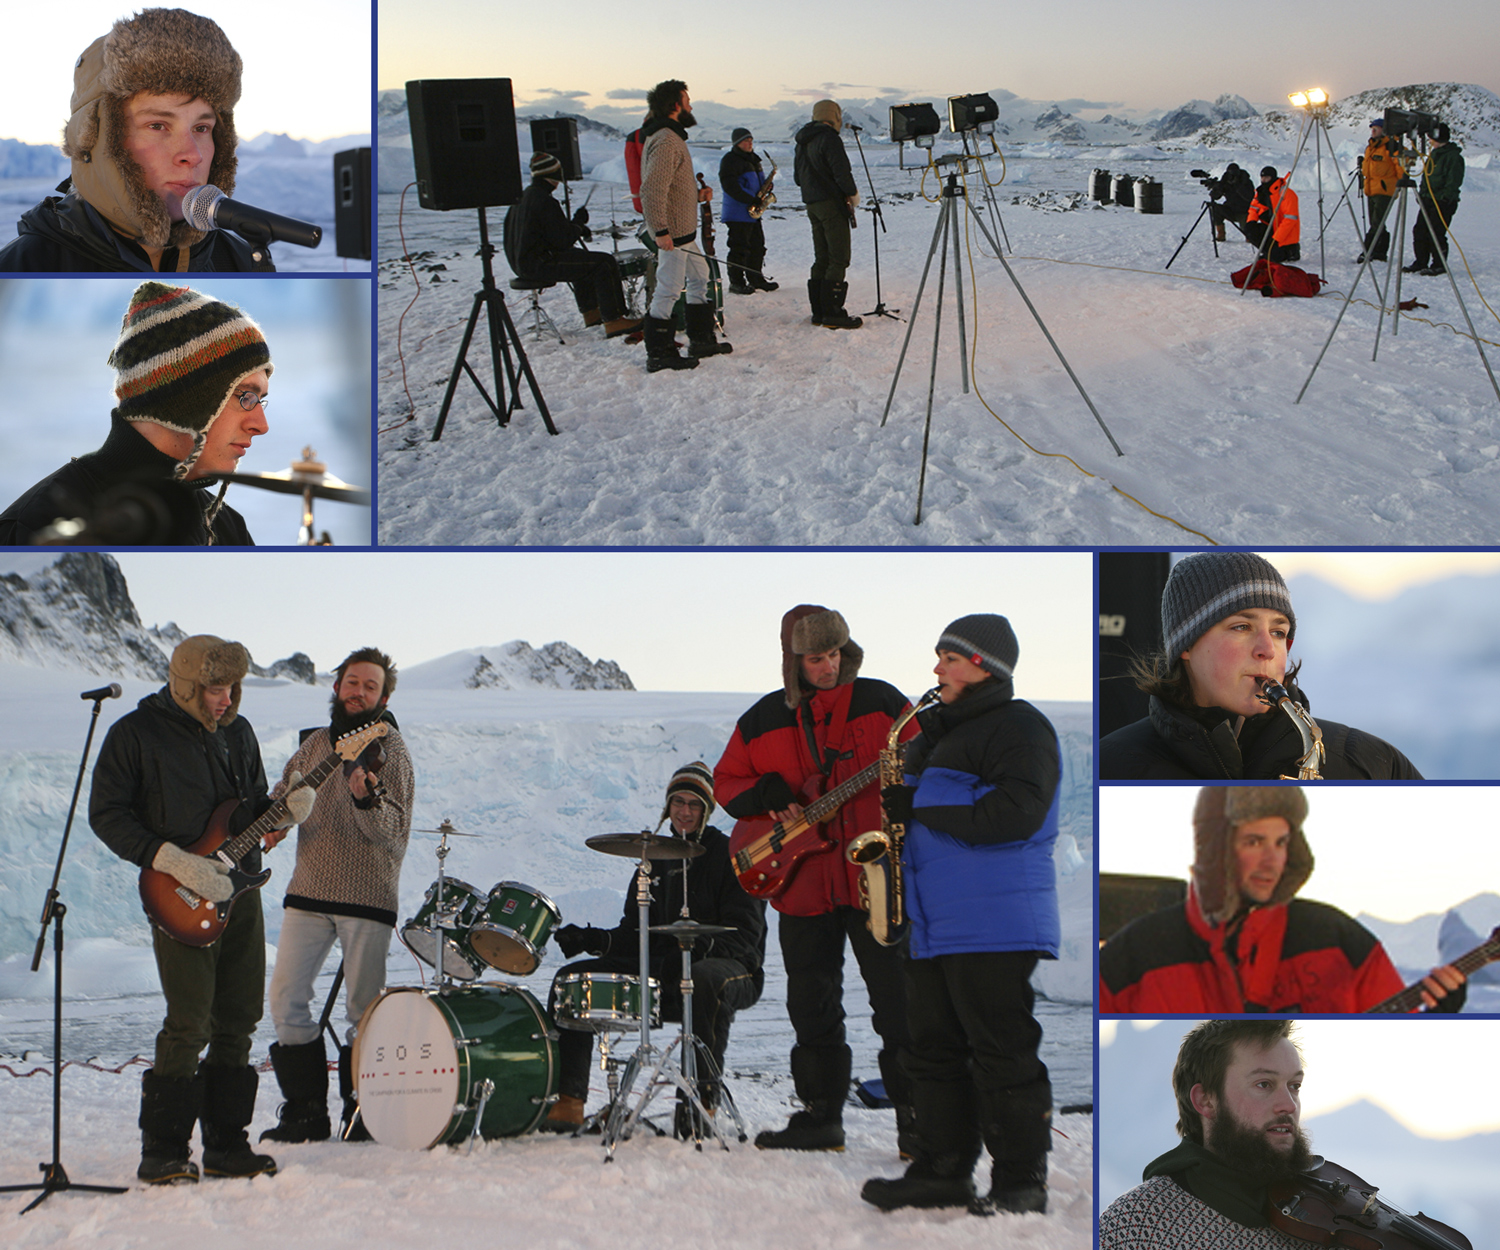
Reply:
x=1410, y=998
x=825, y=805
x=276, y=815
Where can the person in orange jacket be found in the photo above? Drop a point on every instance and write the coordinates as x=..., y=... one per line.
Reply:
x=1382, y=172
x=1274, y=199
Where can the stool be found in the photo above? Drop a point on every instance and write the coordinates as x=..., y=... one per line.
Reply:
x=534, y=287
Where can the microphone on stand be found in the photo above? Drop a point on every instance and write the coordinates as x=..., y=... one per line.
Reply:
x=208, y=208
x=111, y=691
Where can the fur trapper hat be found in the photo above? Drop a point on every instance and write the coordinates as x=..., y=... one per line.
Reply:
x=694, y=781
x=204, y=660
x=1216, y=815
x=810, y=629
x=830, y=112
x=164, y=52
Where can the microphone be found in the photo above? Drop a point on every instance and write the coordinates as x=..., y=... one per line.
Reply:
x=208, y=208
x=853, y=127
x=111, y=691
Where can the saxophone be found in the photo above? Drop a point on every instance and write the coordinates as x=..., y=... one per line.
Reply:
x=1275, y=695
x=765, y=197
x=878, y=852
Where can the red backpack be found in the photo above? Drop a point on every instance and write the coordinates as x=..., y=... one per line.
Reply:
x=1272, y=279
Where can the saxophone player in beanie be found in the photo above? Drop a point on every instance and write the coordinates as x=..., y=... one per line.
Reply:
x=980, y=809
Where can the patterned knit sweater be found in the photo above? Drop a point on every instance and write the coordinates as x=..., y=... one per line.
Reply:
x=669, y=190
x=1158, y=1214
x=348, y=859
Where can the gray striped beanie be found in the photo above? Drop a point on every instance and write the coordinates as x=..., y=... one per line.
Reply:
x=1205, y=588
x=984, y=639
x=179, y=358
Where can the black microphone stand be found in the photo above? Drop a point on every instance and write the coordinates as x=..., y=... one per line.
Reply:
x=54, y=1177
x=880, y=309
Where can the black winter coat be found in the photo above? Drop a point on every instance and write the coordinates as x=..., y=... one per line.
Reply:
x=125, y=459
x=821, y=166
x=1170, y=743
x=541, y=229
x=1236, y=190
x=67, y=235
x=161, y=774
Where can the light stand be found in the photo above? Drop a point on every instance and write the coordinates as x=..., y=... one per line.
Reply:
x=880, y=309
x=54, y=1175
x=947, y=223
x=503, y=338
x=989, y=191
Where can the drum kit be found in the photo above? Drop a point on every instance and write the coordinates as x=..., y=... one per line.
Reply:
x=309, y=478
x=463, y=1059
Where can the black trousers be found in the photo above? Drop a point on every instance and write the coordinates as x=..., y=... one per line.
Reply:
x=1377, y=237
x=747, y=250
x=721, y=987
x=974, y=1063
x=594, y=277
x=1431, y=248
x=830, y=230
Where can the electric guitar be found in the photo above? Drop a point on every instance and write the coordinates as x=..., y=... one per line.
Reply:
x=195, y=921
x=766, y=853
x=1410, y=998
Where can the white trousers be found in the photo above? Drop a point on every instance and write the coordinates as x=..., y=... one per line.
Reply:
x=306, y=938
x=682, y=266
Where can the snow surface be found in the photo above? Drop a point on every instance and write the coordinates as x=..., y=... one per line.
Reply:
x=781, y=442
x=535, y=772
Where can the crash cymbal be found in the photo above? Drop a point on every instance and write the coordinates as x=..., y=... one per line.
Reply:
x=448, y=830
x=307, y=474
x=633, y=845
x=691, y=928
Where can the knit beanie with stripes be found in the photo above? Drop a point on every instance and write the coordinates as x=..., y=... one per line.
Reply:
x=1205, y=588
x=180, y=356
x=984, y=639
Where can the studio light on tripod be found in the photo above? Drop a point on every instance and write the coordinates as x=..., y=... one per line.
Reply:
x=972, y=112
x=1313, y=97
x=917, y=124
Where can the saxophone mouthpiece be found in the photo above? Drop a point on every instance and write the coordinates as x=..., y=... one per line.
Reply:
x=1271, y=692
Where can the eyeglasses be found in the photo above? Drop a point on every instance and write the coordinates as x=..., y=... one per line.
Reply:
x=248, y=400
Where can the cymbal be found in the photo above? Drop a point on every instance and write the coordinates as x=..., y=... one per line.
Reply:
x=633, y=845
x=286, y=482
x=450, y=831
x=691, y=928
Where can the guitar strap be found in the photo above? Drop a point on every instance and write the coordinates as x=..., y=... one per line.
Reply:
x=833, y=749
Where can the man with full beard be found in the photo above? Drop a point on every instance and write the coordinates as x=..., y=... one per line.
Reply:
x=344, y=887
x=1238, y=1085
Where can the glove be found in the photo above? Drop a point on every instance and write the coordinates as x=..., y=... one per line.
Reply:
x=207, y=878
x=896, y=801
x=299, y=800
x=581, y=217
x=574, y=940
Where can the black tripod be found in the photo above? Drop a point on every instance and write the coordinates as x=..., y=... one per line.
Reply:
x=503, y=338
x=880, y=310
x=1207, y=208
x=54, y=1176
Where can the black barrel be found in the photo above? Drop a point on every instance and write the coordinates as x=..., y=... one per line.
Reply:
x=1123, y=190
x=1148, y=196
x=1099, y=186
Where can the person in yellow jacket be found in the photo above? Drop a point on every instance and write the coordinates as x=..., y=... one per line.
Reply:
x=1382, y=171
x=1276, y=201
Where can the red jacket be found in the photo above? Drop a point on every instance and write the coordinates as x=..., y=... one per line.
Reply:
x=634, y=145
x=770, y=747
x=1297, y=956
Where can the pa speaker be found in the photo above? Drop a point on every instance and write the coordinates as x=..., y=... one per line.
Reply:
x=351, y=203
x=1130, y=586
x=559, y=137
x=463, y=138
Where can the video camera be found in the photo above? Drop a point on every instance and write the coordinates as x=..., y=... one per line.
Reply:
x=1409, y=121
x=1203, y=176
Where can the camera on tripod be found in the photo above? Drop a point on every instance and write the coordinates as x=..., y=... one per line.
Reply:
x=1410, y=121
x=1203, y=176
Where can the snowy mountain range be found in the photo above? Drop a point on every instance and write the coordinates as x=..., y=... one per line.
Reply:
x=45, y=160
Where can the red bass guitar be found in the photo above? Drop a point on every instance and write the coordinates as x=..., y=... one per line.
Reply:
x=1410, y=998
x=195, y=921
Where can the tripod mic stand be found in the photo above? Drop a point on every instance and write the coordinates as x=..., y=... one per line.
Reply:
x=54, y=1175
x=878, y=218
x=503, y=338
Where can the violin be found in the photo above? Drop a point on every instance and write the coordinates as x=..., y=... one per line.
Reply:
x=708, y=221
x=372, y=760
x=1329, y=1205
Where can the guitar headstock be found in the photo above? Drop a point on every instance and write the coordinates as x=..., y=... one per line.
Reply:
x=356, y=740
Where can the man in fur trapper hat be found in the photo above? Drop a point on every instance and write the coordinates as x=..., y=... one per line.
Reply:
x=191, y=377
x=1242, y=940
x=822, y=727
x=163, y=772
x=152, y=117
x=728, y=968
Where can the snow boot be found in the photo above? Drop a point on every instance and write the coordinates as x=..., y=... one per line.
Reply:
x=661, y=348
x=302, y=1073
x=228, y=1104
x=1017, y=1188
x=700, y=332
x=834, y=315
x=759, y=282
x=821, y=1076
x=351, y=1125
x=1219, y=232
x=169, y=1108
x=1017, y=1127
x=815, y=299
x=940, y=1181
x=566, y=1115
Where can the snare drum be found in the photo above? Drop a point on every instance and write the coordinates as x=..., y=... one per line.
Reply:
x=422, y=935
x=597, y=1001
x=421, y=1060
x=633, y=261
x=512, y=928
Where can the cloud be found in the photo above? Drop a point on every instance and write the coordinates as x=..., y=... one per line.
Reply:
x=553, y=93
x=627, y=93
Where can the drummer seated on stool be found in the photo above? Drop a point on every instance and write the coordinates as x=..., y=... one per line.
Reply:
x=728, y=972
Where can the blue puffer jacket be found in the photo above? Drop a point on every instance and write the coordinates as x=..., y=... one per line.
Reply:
x=978, y=850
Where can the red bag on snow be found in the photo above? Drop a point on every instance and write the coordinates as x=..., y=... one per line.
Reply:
x=1271, y=279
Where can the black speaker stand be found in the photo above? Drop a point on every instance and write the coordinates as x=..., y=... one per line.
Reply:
x=503, y=339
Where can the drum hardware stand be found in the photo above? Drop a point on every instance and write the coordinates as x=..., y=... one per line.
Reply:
x=947, y=223
x=54, y=1175
x=503, y=338
x=486, y=1088
x=877, y=218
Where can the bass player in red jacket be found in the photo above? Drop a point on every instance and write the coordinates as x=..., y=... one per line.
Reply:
x=815, y=737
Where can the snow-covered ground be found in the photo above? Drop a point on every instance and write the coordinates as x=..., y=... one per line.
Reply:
x=782, y=443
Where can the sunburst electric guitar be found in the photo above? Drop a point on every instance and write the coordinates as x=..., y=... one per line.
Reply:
x=195, y=921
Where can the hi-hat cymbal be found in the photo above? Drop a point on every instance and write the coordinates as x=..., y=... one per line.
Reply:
x=634, y=845
x=691, y=928
x=323, y=486
x=450, y=831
